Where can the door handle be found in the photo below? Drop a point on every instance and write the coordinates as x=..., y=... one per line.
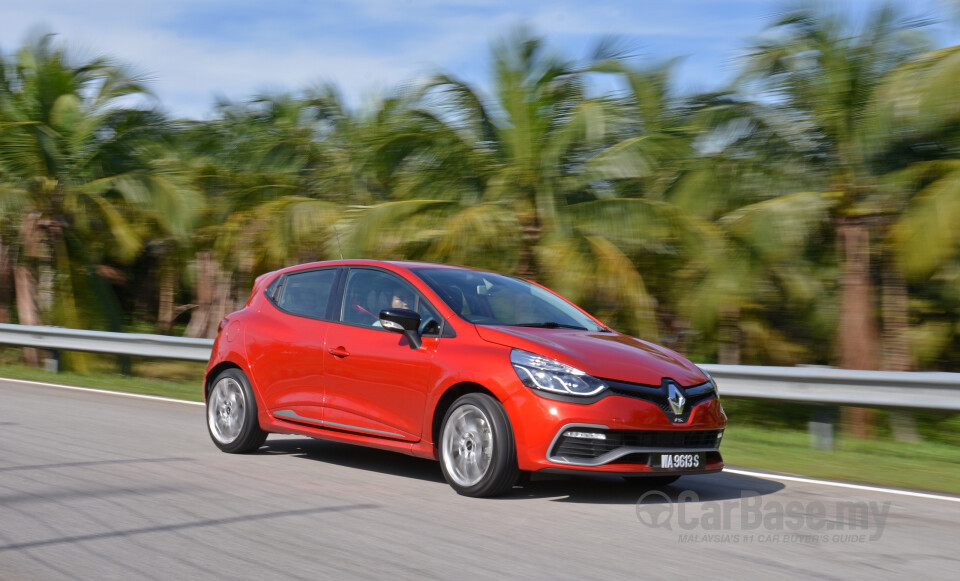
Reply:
x=339, y=352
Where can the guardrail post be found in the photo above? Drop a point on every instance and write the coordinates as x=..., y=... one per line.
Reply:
x=126, y=367
x=821, y=426
x=52, y=362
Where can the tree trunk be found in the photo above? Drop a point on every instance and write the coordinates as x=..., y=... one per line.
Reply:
x=529, y=237
x=895, y=355
x=33, y=249
x=199, y=318
x=729, y=352
x=222, y=305
x=46, y=291
x=26, y=289
x=168, y=282
x=6, y=290
x=213, y=297
x=857, y=334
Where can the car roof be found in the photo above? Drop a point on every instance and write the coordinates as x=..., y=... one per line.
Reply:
x=391, y=264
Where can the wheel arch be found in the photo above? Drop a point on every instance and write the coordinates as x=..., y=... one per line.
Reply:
x=451, y=395
x=214, y=372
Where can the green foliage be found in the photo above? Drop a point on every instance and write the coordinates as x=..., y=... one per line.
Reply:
x=707, y=222
x=83, y=179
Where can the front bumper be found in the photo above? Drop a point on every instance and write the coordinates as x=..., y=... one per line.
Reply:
x=633, y=430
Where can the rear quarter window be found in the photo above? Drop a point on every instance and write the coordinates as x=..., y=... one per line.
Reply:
x=307, y=293
x=271, y=290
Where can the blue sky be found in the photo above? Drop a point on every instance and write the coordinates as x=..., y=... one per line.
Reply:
x=195, y=49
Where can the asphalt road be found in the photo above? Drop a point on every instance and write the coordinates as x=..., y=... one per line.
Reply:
x=98, y=487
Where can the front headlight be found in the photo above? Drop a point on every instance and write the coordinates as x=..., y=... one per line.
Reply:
x=547, y=374
x=713, y=382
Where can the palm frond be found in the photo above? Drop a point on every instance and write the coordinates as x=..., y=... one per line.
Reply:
x=780, y=227
x=384, y=229
x=926, y=235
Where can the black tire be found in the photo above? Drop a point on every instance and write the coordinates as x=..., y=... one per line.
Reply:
x=232, y=414
x=477, y=452
x=651, y=481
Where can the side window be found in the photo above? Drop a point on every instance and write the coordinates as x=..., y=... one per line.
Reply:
x=370, y=291
x=307, y=293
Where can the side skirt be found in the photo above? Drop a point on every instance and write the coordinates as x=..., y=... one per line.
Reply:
x=278, y=425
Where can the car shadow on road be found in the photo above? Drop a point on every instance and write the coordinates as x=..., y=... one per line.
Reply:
x=358, y=457
x=607, y=489
x=587, y=489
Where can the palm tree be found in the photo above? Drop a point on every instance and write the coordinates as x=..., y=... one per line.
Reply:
x=505, y=155
x=272, y=175
x=487, y=182
x=828, y=75
x=752, y=285
x=707, y=224
x=914, y=140
x=915, y=144
x=78, y=181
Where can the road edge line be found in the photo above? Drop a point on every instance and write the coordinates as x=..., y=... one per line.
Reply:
x=839, y=484
x=103, y=391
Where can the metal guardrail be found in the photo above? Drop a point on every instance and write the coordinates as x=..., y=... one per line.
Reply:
x=143, y=345
x=912, y=390
x=822, y=385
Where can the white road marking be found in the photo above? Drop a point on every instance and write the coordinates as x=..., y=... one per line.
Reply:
x=776, y=476
x=103, y=391
x=772, y=475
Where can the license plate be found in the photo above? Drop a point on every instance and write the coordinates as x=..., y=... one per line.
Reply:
x=694, y=461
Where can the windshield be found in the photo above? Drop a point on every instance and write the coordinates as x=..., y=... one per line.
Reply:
x=484, y=298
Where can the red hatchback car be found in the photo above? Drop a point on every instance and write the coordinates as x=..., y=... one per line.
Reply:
x=489, y=374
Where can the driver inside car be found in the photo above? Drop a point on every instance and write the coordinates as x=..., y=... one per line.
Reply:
x=402, y=299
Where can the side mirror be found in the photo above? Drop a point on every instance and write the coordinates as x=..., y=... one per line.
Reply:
x=402, y=321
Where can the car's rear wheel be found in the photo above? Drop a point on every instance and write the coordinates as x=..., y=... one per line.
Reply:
x=232, y=414
x=477, y=451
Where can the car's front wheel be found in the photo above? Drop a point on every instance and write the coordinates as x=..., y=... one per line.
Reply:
x=232, y=414
x=477, y=451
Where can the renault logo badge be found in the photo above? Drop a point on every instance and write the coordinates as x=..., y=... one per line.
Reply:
x=676, y=398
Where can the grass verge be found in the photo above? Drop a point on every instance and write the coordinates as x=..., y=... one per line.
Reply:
x=176, y=379
x=928, y=465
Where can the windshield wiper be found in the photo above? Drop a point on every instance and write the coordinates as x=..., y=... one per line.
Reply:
x=550, y=325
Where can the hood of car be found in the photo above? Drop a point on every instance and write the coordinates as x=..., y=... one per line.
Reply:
x=606, y=355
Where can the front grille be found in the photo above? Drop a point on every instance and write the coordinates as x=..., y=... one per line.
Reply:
x=657, y=395
x=583, y=448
